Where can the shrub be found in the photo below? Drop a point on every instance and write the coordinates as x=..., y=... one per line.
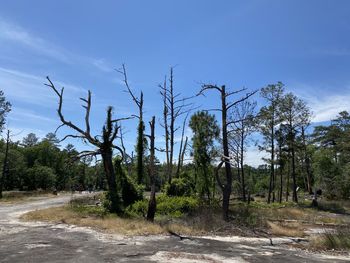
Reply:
x=176, y=206
x=179, y=187
x=137, y=209
x=336, y=240
x=166, y=206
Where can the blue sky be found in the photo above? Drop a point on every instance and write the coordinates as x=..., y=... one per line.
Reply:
x=304, y=44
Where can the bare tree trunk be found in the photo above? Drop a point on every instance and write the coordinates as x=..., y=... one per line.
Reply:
x=182, y=148
x=281, y=173
x=288, y=176
x=164, y=93
x=228, y=186
x=152, y=205
x=172, y=127
x=242, y=166
x=111, y=180
x=141, y=127
x=272, y=176
x=295, y=196
x=184, y=151
x=5, y=169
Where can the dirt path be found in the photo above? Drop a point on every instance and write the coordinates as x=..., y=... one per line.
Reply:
x=41, y=242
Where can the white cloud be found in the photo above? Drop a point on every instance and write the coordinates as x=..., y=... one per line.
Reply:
x=18, y=35
x=29, y=88
x=102, y=64
x=253, y=157
x=325, y=102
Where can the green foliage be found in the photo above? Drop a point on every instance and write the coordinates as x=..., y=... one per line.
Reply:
x=137, y=209
x=42, y=177
x=108, y=205
x=130, y=191
x=205, y=130
x=179, y=187
x=326, y=172
x=87, y=207
x=5, y=108
x=140, y=150
x=176, y=206
x=166, y=206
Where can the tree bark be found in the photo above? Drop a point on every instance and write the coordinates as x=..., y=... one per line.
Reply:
x=111, y=180
x=5, y=165
x=228, y=186
x=152, y=205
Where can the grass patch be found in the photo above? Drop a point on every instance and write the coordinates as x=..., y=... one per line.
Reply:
x=21, y=196
x=332, y=240
x=92, y=218
x=286, y=230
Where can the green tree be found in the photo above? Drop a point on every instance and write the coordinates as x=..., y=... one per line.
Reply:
x=5, y=108
x=296, y=115
x=30, y=140
x=205, y=131
x=269, y=118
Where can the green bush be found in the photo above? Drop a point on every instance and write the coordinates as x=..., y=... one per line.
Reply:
x=137, y=209
x=166, y=206
x=179, y=187
x=176, y=206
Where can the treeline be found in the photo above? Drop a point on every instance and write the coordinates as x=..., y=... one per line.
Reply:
x=211, y=165
x=35, y=163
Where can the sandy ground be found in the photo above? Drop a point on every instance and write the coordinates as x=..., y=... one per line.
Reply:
x=42, y=242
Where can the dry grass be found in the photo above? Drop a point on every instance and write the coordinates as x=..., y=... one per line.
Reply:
x=338, y=239
x=280, y=220
x=14, y=197
x=287, y=230
x=109, y=223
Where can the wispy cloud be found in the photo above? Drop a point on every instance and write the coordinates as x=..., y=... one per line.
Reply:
x=325, y=102
x=18, y=35
x=102, y=64
x=29, y=88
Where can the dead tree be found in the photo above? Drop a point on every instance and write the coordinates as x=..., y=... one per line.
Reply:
x=5, y=167
x=243, y=125
x=173, y=108
x=152, y=205
x=104, y=143
x=141, y=127
x=225, y=123
x=183, y=146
